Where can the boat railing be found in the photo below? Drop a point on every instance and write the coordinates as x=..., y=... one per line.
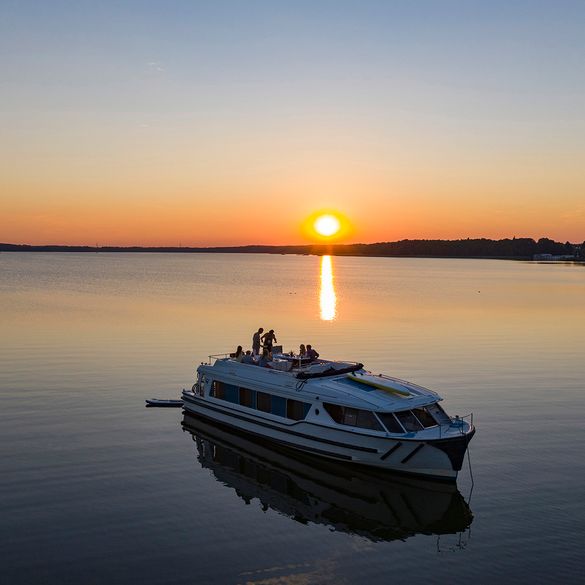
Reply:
x=218, y=356
x=298, y=366
x=211, y=359
x=468, y=416
x=459, y=419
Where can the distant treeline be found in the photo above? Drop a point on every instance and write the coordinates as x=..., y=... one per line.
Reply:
x=516, y=248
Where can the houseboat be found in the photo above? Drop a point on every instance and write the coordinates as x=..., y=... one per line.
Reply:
x=334, y=409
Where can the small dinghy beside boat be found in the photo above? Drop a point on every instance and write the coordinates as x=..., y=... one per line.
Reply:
x=164, y=403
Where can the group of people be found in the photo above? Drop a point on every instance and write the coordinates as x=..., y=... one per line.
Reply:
x=265, y=342
x=308, y=352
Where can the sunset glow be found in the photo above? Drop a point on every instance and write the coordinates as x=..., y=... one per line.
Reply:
x=148, y=143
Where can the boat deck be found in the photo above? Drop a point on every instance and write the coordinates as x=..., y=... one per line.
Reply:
x=330, y=380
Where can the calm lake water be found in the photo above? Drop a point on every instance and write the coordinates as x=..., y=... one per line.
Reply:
x=96, y=488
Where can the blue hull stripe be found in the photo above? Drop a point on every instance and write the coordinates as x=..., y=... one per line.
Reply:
x=295, y=446
x=208, y=406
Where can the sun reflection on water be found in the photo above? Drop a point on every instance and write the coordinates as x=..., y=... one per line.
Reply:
x=327, y=297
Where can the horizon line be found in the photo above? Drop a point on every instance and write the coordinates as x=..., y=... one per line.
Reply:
x=305, y=245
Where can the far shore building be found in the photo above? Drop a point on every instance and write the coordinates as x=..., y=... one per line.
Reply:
x=552, y=257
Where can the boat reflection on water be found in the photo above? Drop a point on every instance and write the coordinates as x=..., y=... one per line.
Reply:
x=377, y=505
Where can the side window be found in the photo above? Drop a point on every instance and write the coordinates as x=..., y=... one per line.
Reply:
x=225, y=391
x=367, y=420
x=390, y=422
x=263, y=401
x=247, y=398
x=424, y=417
x=231, y=393
x=354, y=417
x=350, y=416
x=278, y=406
x=218, y=390
x=335, y=412
x=408, y=421
x=296, y=410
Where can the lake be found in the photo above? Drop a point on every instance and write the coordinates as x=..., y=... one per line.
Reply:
x=96, y=488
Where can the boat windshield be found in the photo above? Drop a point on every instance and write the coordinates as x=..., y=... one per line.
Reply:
x=407, y=420
x=390, y=422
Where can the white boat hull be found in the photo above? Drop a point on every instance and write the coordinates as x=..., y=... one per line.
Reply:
x=432, y=458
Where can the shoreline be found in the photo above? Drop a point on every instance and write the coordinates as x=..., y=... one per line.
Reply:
x=544, y=250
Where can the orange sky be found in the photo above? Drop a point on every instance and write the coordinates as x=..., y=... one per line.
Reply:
x=149, y=209
x=207, y=130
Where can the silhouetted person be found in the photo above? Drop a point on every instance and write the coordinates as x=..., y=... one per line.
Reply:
x=311, y=353
x=239, y=354
x=265, y=359
x=302, y=351
x=268, y=339
x=256, y=341
x=248, y=358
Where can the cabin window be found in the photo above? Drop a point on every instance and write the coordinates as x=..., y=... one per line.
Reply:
x=247, y=398
x=218, y=390
x=293, y=409
x=353, y=417
x=409, y=421
x=263, y=401
x=425, y=418
x=335, y=412
x=367, y=420
x=278, y=406
x=231, y=393
x=390, y=422
x=297, y=410
x=350, y=417
x=225, y=391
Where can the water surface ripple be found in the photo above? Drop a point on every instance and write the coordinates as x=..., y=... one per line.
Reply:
x=95, y=488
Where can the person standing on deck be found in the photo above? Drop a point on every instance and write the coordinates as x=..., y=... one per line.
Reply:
x=256, y=341
x=268, y=339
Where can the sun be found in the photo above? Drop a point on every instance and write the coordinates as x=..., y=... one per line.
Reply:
x=327, y=225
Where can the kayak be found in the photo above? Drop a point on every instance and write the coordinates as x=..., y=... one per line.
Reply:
x=380, y=384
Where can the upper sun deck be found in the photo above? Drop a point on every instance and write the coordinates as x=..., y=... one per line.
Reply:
x=298, y=367
x=344, y=382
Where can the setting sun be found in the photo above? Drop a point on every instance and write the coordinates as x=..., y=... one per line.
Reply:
x=327, y=225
